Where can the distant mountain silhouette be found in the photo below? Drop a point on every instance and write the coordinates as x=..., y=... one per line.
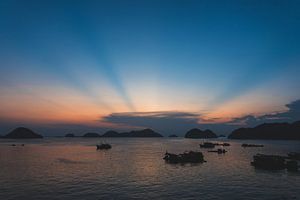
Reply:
x=22, y=133
x=91, y=135
x=139, y=133
x=274, y=131
x=111, y=134
x=197, y=133
x=70, y=135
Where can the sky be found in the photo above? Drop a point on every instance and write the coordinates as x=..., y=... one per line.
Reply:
x=78, y=66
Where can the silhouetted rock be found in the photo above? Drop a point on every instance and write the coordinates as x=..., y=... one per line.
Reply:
x=22, y=133
x=111, y=134
x=197, y=133
x=274, y=131
x=69, y=135
x=140, y=133
x=173, y=135
x=91, y=135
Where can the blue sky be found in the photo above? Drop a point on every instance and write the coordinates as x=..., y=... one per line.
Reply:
x=75, y=62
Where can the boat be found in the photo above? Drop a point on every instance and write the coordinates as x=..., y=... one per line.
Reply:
x=186, y=157
x=274, y=162
x=294, y=156
x=292, y=166
x=103, y=146
x=252, y=145
x=268, y=162
x=207, y=145
x=222, y=144
x=219, y=151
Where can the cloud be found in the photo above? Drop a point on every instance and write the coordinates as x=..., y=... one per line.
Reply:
x=291, y=115
x=165, y=122
x=169, y=122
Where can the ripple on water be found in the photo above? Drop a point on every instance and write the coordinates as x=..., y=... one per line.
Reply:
x=134, y=169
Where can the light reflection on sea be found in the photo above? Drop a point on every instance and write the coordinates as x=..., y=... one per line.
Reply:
x=71, y=168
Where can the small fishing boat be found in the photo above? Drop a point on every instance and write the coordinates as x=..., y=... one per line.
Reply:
x=186, y=157
x=219, y=151
x=222, y=144
x=226, y=144
x=252, y=145
x=103, y=146
x=207, y=145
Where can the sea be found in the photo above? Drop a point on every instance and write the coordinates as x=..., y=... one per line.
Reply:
x=72, y=169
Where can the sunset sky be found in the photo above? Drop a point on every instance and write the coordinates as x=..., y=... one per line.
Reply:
x=168, y=65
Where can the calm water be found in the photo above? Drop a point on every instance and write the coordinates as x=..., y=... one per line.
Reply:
x=71, y=168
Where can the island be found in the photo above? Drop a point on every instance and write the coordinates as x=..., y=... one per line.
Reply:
x=137, y=133
x=22, y=133
x=269, y=131
x=111, y=134
x=197, y=133
x=70, y=135
x=91, y=135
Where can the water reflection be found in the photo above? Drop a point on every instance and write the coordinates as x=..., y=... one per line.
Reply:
x=60, y=168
